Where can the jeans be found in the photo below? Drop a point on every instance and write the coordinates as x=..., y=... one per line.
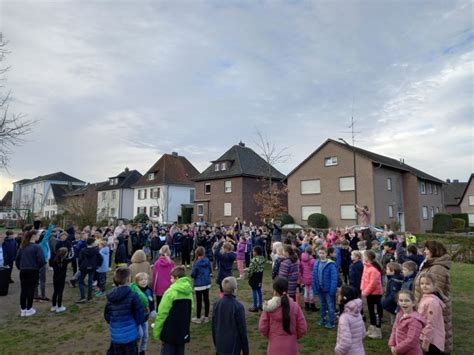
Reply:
x=308, y=293
x=123, y=349
x=101, y=281
x=327, y=306
x=169, y=349
x=143, y=341
x=42, y=282
x=257, y=292
x=199, y=298
x=90, y=280
x=28, y=281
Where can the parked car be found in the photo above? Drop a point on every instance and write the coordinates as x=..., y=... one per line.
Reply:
x=373, y=229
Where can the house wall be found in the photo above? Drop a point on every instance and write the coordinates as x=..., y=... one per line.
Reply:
x=177, y=195
x=465, y=206
x=411, y=192
x=331, y=198
x=149, y=202
x=431, y=201
x=385, y=198
x=49, y=210
x=106, y=204
x=126, y=204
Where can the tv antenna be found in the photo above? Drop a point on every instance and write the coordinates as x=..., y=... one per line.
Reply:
x=352, y=131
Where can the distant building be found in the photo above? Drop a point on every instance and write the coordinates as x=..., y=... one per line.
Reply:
x=165, y=189
x=452, y=193
x=83, y=201
x=467, y=200
x=6, y=201
x=226, y=189
x=394, y=191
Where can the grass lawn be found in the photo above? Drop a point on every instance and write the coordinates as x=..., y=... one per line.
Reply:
x=82, y=329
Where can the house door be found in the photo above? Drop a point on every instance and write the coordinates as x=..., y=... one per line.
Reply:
x=401, y=220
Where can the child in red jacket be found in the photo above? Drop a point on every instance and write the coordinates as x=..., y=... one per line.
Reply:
x=406, y=330
x=371, y=287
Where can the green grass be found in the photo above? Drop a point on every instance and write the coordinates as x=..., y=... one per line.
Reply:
x=82, y=329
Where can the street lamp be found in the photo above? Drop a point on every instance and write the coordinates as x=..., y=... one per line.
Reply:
x=355, y=172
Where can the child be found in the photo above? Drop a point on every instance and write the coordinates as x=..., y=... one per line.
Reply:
x=9, y=248
x=241, y=246
x=350, y=329
x=174, y=314
x=356, y=269
x=409, y=273
x=362, y=246
x=124, y=312
x=282, y=321
x=161, y=273
x=225, y=260
x=89, y=260
x=290, y=270
x=406, y=330
x=306, y=270
x=325, y=285
x=345, y=260
x=431, y=307
x=139, y=264
x=395, y=281
x=102, y=270
x=201, y=273
x=121, y=252
x=59, y=265
x=388, y=254
x=277, y=257
x=371, y=287
x=145, y=293
x=229, y=329
x=255, y=273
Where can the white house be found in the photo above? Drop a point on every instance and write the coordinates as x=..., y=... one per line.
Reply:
x=30, y=194
x=115, y=199
x=165, y=189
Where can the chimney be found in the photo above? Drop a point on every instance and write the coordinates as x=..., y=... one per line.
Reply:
x=241, y=144
x=402, y=161
x=126, y=169
x=448, y=181
x=456, y=181
x=175, y=154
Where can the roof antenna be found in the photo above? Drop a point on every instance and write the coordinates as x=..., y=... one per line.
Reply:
x=353, y=132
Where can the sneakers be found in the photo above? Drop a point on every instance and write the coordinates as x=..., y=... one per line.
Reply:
x=23, y=313
x=205, y=320
x=329, y=326
x=376, y=333
x=94, y=284
x=370, y=331
x=30, y=312
x=60, y=309
x=45, y=299
x=314, y=308
x=99, y=294
x=253, y=309
x=196, y=320
x=322, y=322
x=53, y=309
x=82, y=300
x=72, y=283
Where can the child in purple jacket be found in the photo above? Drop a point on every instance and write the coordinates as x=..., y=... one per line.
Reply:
x=241, y=247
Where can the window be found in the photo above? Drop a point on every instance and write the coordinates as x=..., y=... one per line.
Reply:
x=437, y=208
x=223, y=166
x=53, y=213
x=306, y=211
x=142, y=194
x=46, y=214
x=310, y=187
x=423, y=187
x=471, y=218
x=200, y=210
x=112, y=212
x=207, y=188
x=389, y=184
x=390, y=211
x=151, y=176
x=424, y=211
x=348, y=212
x=346, y=184
x=330, y=161
x=227, y=209
x=471, y=200
x=192, y=193
x=114, y=195
x=154, y=211
x=141, y=210
x=113, y=181
x=228, y=186
x=436, y=189
x=155, y=193
x=216, y=167
x=102, y=211
x=432, y=212
x=430, y=189
x=103, y=196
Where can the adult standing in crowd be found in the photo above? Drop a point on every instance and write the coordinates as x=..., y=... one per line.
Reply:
x=438, y=263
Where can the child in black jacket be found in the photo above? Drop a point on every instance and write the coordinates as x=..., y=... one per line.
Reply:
x=395, y=281
x=59, y=265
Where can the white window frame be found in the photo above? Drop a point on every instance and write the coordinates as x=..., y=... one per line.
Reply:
x=432, y=212
x=389, y=184
x=154, y=211
x=227, y=186
x=349, y=181
x=390, y=211
x=52, y=213
x=216, y=167
x=437, y=208
x=155, y=192
x=310, y=187
x=205, y=188
x=112, y=211
x=306, y=211
x=435, y=189
x=470, y=216
x=470, y=200
x=227, y=209
x=424, y=212
x=422, y=187
x=141, y=210
x=104, y=195
x=344, y=210
x=330, y=161
x=223, y=166
x=200, y=209
x=151, y=176
x=142, y=194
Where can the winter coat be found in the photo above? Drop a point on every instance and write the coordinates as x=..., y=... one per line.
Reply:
x=59, y=268
x=306, y=268
x=387, y=258
x=201, y=272
x=9, y=248
x=394, y=284
x=431, y=308
x=406, y=332
x=290, y=271
x=30, y=257
x=351, y=330
x=229, y=328
x=345, y=260
x=162, y=275
x=440, y=267
x=371, y=283
x=255, y=272
x=241, y=246
x=104, y=252
x=276, y=267
x=139, y=264
x=328, y=281
x=174, y=313
x=408, y=282
x=124, y=312
x=121, y=252
x=271, y=327
x=44, y=243
x=355, y=274
x=226, y=260
x=90, y=259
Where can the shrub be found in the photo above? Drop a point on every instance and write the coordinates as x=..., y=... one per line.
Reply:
x=318, y=220
x=442, y=222
x=286, y=219
x=459, y=223
x=141, y=218
x=463, y=216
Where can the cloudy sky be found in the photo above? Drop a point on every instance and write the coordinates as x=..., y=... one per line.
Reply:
x=118, y=83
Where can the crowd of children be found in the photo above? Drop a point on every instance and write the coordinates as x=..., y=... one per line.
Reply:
x=333, y=272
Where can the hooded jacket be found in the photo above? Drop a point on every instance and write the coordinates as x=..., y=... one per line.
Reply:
x=389, y=302
x=174, y=313
x=351, y=330
x=241, y=247
x=90, y=259
x=406, y=332
x=30, y=257
x=124, y=312
x=271, y=327
x=162, y=275
x=121, y=252
x=291, y=271
x=9, y=248
x=201, y=272
x=139, y=264
x=306, y=268
x=371, y=283
x=328, y=281
x=431, y=308
x=105, y=253
x=355, y=274
x=226, y=261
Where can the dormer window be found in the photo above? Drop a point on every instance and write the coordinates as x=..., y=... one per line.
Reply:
x=113, y=181
x=216, y=167
x=151, y=176
x=223, y=166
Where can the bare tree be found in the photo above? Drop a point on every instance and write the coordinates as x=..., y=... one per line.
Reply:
x=13, y=127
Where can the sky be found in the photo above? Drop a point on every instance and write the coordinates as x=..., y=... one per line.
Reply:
x=115, y=84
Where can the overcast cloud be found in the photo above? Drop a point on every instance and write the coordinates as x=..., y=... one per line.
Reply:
x=118, y=83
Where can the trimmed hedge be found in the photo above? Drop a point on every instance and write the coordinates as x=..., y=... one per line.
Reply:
x=318, y=220
x=463, y=216
x=459, y=223
x=286, y=219
x=442, y=222
x=141, y=218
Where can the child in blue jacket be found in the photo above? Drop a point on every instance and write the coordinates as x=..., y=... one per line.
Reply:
x=325, y=285
x=201, y=274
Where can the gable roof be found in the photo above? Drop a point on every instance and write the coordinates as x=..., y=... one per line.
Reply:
x=469, y=182
x=126, y=179
x=377, y=159
x=243, y=161
x=6, y=201
x=453, y=192
x=170, y=169
x=81, y=190
x=59, y=191
x=59, y=176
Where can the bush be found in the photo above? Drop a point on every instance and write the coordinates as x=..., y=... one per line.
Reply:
x=459, y=223
x=442, y=222
x=318, y=220
x=286, y=219
x=141, y=218
x=463, y=216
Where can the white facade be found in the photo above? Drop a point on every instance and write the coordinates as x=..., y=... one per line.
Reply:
x=165, y=206
x=50, y=206
x=116, y=203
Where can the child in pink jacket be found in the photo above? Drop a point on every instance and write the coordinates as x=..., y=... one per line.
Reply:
x=406, y=330
x=282, y=336
x=241, y=246
x=351, y=328
x=162, y=273
x=431, y=308
x=306, y=276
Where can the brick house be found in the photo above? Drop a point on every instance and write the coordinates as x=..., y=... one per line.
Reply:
x=452, y=193
x=394, y=191
x=83, y=200
x=226, y=189
x=467, y=200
